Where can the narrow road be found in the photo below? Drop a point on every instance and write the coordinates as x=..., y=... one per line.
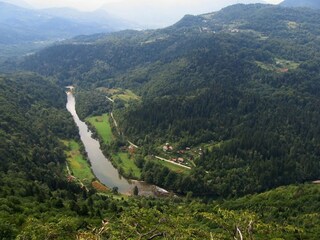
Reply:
x=68, y=169
x=133, y=144
x=166, y=160
x=110, y=99
x=115, y=123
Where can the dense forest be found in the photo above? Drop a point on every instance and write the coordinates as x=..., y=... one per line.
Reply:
x=236, y=92
x=244, y=80
x=37, y=201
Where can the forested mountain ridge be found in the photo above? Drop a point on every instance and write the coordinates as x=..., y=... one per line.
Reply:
x=243, y=81
x=301, y=3
x=258, y=25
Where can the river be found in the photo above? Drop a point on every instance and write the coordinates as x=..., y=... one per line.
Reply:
x=100, y=165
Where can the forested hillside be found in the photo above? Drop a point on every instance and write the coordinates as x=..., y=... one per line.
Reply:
x=242, y=83
x=234, y=94
x=32, y=158
x=37, y=201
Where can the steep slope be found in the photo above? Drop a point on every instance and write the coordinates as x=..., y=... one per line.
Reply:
x=242, y=83
x=301, y=3
x=32, y=118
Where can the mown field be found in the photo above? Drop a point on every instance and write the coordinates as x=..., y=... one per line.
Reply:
x=101, y=124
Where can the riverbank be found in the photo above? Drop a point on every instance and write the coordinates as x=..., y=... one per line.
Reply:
x=102, y=167
x=123, y=160
x=78, y=167
x=102, y=126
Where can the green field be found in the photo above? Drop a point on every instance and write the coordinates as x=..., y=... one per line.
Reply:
x=171, y=166
x=118, y=93
x=102, y=125
x=278, y=64
x=127, y=95
x=174, y=167
x=122, y=160
x=78, y=165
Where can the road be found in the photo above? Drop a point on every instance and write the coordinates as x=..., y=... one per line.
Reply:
x=110, y=99
x=166, y=160
x=115, y=123
x=133, y=144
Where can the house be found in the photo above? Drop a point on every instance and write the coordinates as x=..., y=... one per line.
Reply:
x=283, y=70
x=180, y=160
x=161, y=192
x=167, y=147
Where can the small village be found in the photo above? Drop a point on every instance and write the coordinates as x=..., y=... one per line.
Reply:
x=184, y=157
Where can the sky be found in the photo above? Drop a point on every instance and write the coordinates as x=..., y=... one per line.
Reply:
x=143, y=13
x=90, y=5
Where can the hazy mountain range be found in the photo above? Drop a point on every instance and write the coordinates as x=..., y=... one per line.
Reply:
x=301, y=3
x=32, y=29
x=24, y=30
x=156, y=14
x=27, y=25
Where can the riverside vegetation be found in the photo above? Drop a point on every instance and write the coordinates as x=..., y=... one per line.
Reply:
x=241, y=84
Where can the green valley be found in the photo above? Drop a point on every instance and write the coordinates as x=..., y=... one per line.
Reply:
x=217, y=114
x=220, y=84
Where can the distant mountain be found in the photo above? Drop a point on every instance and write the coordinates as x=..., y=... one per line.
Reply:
x=24, y=30
x=20, y=25
x=162, y=13
x=98, y=17
x=301, y=3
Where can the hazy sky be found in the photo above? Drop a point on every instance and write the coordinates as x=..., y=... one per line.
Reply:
x=89, y=5
x=143, y=13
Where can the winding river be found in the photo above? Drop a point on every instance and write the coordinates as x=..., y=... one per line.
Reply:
x=101, y=166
